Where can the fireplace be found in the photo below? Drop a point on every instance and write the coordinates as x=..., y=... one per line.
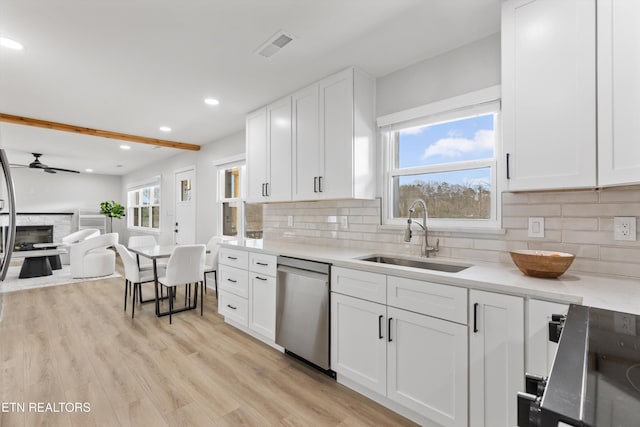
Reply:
x=27, y=235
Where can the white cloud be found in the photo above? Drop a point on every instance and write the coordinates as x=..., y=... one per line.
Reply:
x=483, y=140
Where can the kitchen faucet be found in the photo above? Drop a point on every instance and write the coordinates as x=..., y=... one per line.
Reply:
x=426, y=249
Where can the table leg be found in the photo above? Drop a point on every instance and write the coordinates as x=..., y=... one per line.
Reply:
x=35, y=267
x=155, y=280
x=54, y=260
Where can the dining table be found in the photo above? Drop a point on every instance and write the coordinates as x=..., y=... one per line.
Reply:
x=154, y=253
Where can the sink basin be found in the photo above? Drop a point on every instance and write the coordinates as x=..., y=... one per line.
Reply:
x=415, y=263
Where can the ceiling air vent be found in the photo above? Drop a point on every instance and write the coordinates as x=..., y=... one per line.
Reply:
x=274, y=44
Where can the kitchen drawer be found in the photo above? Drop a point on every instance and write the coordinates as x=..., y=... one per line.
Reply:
x=359, y=284
x=234, y=258
x=433, y=299
x=233, y=307
x=261, y=263
x=234, y=280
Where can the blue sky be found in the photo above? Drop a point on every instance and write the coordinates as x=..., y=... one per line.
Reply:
x=467, y=139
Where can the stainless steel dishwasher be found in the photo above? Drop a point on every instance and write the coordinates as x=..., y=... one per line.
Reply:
x=302, y=316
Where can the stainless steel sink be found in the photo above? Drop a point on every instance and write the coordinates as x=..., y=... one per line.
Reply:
x=415, y=263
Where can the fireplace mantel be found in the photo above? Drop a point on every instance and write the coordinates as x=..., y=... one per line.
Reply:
x=39, y=213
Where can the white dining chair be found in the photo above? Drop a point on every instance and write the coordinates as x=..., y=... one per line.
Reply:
x=144, y=241
x=211, y=261
x=185, y=267
x=133, y=276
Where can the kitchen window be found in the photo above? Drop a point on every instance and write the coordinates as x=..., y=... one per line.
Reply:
x=143, y=207
x=448, y=159
x=237, y=218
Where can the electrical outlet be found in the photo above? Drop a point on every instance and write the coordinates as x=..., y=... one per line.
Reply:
x=536, y=226
x=624, y=323
x=344, y=222
x=624, y=228
x=290, y=220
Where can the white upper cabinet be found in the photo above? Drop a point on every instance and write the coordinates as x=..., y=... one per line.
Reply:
x=318, y=143
x=268, y=138
x=618, y=92
x=549, y=93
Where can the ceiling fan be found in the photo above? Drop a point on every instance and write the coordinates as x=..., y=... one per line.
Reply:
x=37, y=164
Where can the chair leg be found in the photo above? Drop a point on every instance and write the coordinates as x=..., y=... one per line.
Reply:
x=205, y=283
x=215, y=280
x=170, y=304
x=126, y=286
x=202, y=302
x=133, y=303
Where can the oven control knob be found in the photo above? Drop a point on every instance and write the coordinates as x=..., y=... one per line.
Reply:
x=529, y=410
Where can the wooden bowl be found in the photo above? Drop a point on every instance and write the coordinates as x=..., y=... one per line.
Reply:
x=546, y=264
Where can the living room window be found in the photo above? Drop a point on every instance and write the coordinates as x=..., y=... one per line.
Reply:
x=237, y=218
x=143, y=207
x=448, y=159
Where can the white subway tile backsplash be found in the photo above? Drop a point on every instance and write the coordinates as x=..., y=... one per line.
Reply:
x=579, y=222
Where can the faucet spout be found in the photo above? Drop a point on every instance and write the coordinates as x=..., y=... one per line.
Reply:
x=426, y=249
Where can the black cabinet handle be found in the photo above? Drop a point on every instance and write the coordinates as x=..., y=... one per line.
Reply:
x=380, y=326
x=261, y=278
x=264, y=264
x=266, y=188
x=508, y=174
x=232, y=307
x=232, y=281
x=315, y=184
x=263, y=189
x=232, y=257
x=319, y=184
x=389, y=329
x=475, y=317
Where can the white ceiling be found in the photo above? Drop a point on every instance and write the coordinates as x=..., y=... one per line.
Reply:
x=131, y=66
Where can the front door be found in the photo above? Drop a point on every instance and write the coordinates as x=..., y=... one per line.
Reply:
x=185, y=220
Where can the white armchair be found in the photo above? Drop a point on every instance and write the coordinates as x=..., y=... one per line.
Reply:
x=91, y=258
x=73, y=238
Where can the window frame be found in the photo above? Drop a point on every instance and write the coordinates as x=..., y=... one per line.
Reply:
x=482, y=102
x=155, y=182
x=221, y=169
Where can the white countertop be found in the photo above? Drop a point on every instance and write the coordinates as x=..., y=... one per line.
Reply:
x=596, y=291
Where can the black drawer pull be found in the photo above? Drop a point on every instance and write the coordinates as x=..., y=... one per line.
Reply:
x=264, y=264
x=475, y=317
x=232, y=281
x=320, y=184
x=508, y=172
x=232, y=307
x=380, y=326
x=261, y=278
x=389, y=330
x=232, y=257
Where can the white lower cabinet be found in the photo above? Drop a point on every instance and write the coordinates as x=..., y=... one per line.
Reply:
x=496, y=358
x=358, y=341
x=427, y=366
x=414, y=361
x=540, y=351
x=262, y=305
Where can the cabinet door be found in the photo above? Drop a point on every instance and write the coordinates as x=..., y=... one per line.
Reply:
x=256, y=138
x=496, y=358
x=358, y=341
x=336, y=135
x=306, y=144
x=539, y=350
x=279, y=153
x=618, y=92
x=262, y=305
x=427, y=366
x=549, y=93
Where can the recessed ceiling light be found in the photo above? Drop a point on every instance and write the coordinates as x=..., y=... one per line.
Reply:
x=165, y=128
x=11, y=44
x=88, y=170
x=125, y=147
x=211, y=101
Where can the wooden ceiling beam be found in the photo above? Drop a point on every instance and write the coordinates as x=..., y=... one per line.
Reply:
x=8, y=118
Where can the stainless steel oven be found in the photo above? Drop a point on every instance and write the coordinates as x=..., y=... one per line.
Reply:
x=595, y=378
x=302, y=310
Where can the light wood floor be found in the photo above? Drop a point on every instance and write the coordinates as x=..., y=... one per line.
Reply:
x=74, y=343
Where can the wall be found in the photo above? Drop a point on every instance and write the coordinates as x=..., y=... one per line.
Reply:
x=466, y=69
x=37, y=191
x=206, y=186
x=579, y=222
